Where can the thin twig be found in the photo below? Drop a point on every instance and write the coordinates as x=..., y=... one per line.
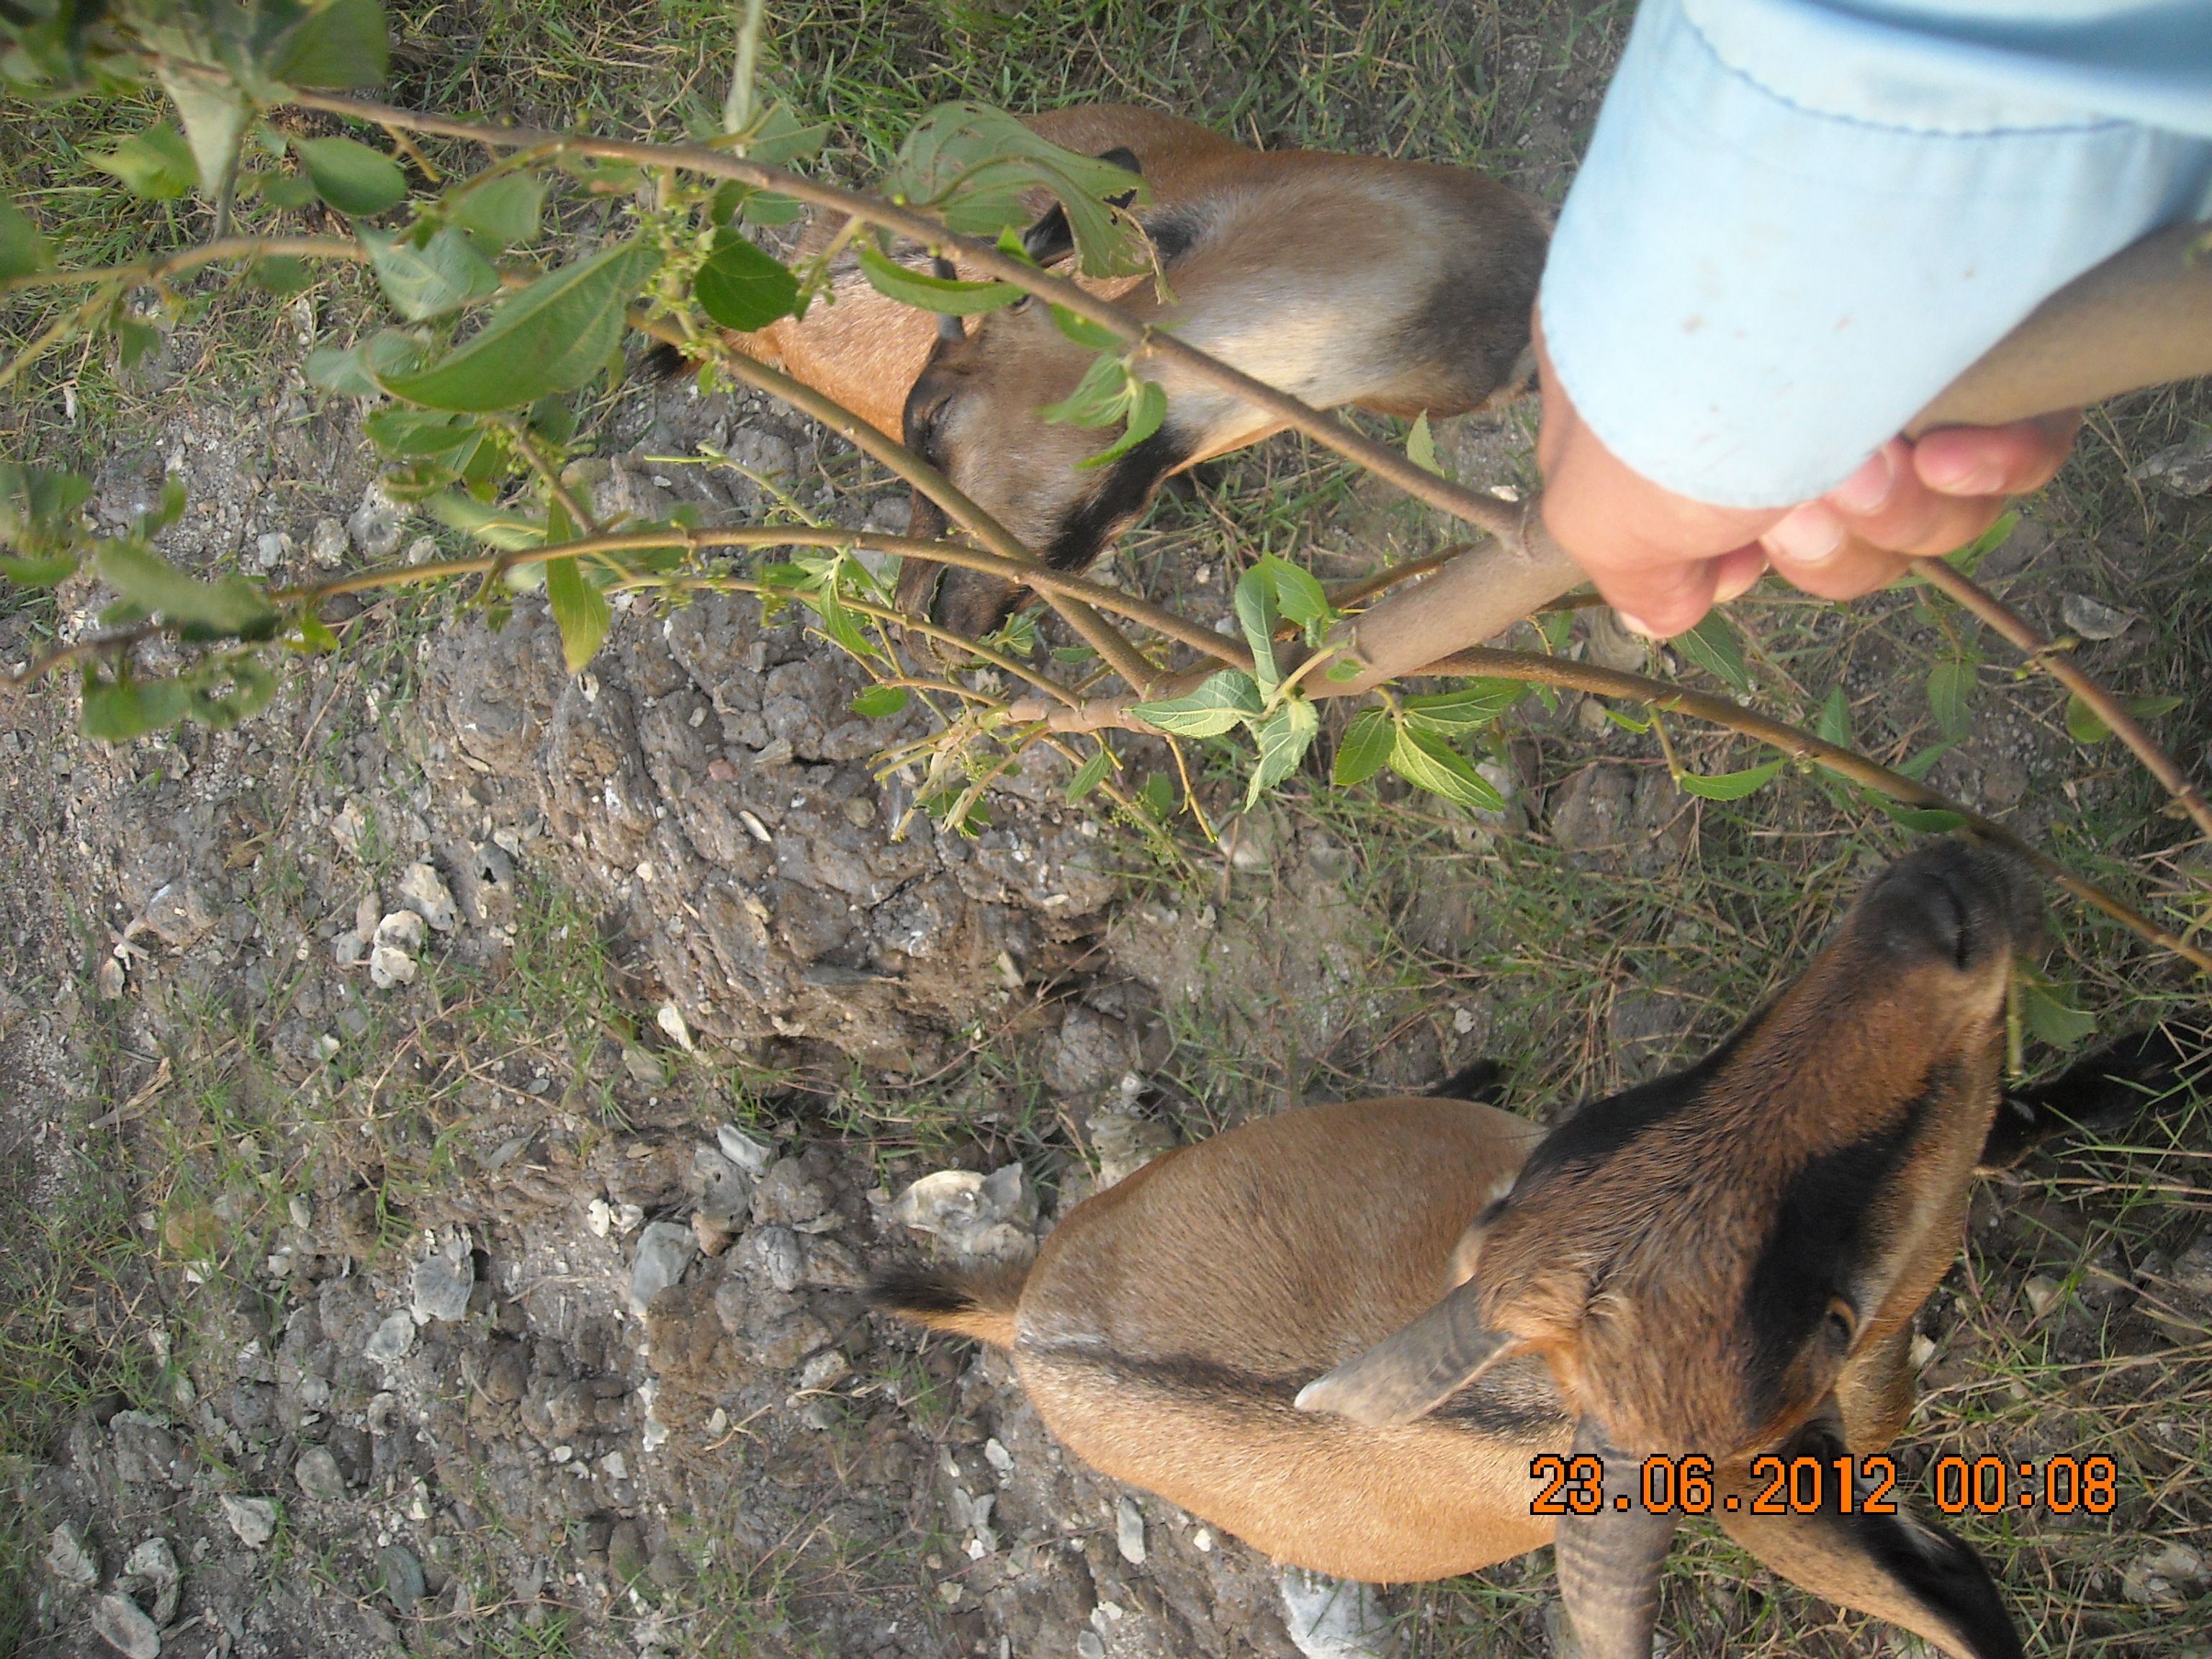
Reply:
x=2061, y=667
x=1109, y=714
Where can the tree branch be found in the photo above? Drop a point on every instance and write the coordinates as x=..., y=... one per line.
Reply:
x=2061, y=667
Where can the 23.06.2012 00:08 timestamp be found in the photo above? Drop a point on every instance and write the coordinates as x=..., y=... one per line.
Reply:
x=1803, y=1486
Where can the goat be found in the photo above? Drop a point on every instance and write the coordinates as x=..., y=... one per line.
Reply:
x=1397, y=285
x=1725, y=1262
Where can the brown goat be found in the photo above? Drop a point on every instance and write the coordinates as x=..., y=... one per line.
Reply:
x=1396, y=286
x=1725, y=1262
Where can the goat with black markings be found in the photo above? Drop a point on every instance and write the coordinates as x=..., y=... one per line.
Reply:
x=1726, y=1262
x=1396, y=286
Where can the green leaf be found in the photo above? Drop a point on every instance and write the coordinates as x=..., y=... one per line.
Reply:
x=116, y=711
x=213, y=108
x=504, y=211
x=1716, y=646
x=338, y=44
x=1835, y=725
x=580, y=612
x=1148, y=407
x=285, y=190
x=552, y=337
x=23, y=250
x=425, y=436
x=946, y=295
x=280, y=274
x=2052, y=1018
x=1084, y=332
x=1364, y=749
x=157, y=163
x=742, y=289
x=1968, y=559
x=1300, y=597
x=1927, y=820
x=506, y=529
x=782, y=138
x=1427, y=761
x=1099, y=398
x=39, y=507
x=1919, y=765
x=881, y=702
x=974, y=166
x=1157, y=795
x=1257, y=611
x=1090, y=775
x=1222, y=701
x=1466, y=709
x=1283, y=736
x=47, y=572
x=1950, y=690
x=2085, y=726
x=232, y=606
x=351, y=177
x=353, y=371
x=1729, y=785
x=225, y=690
x=837, y=620
x=443, y=275
x=1421, y=446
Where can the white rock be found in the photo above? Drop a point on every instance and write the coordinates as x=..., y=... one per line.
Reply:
x=118, y=1621
x=403, y=930
x=423, y=891
x=824, y=1369
x=375, y=526
x=153, y=1565
x=443, y=1283
x=669, y=1018
x=316, y=1472
x=389, y=1342
x=2043, y=1293
x=347, y=948
x=1334, y=1617
x=665, y=1250
x=1129, y=1530
x=253, y=1519
x=751, y=1156
x=726, y=1191
x=70, y=1558
x=2167, y=1577
x=2093, y=619
x=327, y=547
x=600, y=1217
x=1125, y=1142
x=972, y=1215
x=388, y=968
x=996, y=1455
x=421, y=551
x=271, y=549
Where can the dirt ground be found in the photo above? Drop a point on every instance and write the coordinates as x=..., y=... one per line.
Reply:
x=446, y=1122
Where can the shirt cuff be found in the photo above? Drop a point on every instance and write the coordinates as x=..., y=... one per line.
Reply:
x=1746, y=297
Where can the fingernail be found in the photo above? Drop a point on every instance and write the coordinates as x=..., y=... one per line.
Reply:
x=1806, y=534
x=1867, y=490
x=1636, y=624
x=1961, y=475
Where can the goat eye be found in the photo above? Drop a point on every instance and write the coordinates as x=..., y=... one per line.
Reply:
x=1021, y=304
x=1843, y=1321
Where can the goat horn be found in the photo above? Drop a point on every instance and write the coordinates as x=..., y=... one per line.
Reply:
x=950, y=331
x=1411, y=1373
x=1609, y=1561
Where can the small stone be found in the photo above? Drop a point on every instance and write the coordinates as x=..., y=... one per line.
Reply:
x=2168, y=1576
x=626, y=1556
x=178, y=916
x=271, y=549
x=443, y=1281
x=153, y=1565
x=1129, y=1530
x=383, y=1414
x=2183, y=469
x=643, y=1066
x=2043, y=1293
x=253, y=1519
x=388, y=968
x=2192, y=1268
x=1087, y=1642
x=669, y=1018
x=1202, y=1541
x=824, y=1369
x=70, y=1558
x=107, y=980
x=375, y=524
x=996, y=1455
x=389, y=1342
x=724, y=1191
x=751, y=1156
x=399, y=1575
x=316, y=1472
x=117, y=1622
x=424, y=891
x=713, y=1236
x=421, y=551
x=1124, y=1142
x=301, y=1212
x=401, y=930
x=328, y=546
x=2093, y=619
x=665, y=1250
x=347, y=948
x=1334, y=1618
x=972, y=1215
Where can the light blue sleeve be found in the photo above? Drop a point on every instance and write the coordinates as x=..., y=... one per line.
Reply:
x=1799, y=219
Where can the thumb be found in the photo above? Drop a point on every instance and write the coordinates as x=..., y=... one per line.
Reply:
x=1663, y=601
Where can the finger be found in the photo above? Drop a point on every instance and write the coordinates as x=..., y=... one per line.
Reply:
x=1663, y=602
x=1734, y=573
x=1996, y=460
x=1884, y=505
x=1813, y=549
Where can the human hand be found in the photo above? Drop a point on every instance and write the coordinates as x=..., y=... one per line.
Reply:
x=1662, y=560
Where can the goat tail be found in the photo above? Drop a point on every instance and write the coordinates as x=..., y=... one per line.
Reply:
x=978, y=1305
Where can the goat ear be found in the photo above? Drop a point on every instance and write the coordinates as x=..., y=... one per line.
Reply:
x=1893, y=1566
x=1410, y=1373
x=1051, y=237
x=1609, y=1559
